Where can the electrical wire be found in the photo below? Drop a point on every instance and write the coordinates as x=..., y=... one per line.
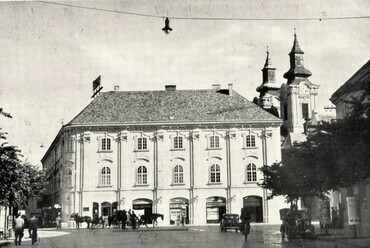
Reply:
x=208, y=18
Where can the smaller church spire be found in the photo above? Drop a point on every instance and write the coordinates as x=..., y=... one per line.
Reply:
x=268, y=75
x=296, y=48
x=268, y=64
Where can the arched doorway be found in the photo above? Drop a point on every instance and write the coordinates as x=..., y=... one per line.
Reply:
x=143, y=206
x=216, y=207
x=179, y=207
x=253, y=204
x=106, y=209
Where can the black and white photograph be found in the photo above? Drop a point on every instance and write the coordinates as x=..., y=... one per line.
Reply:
x=185, y=123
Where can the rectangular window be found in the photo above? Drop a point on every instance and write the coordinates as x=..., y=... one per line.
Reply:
x=305, y=110
x=214, y=142
x=142, y=144
x=250, y=141
x=69, y=145
x=105, y=144
x=177, y=142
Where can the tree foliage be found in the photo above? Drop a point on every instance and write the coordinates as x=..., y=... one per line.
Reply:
x=335, y=155
x=19, y=181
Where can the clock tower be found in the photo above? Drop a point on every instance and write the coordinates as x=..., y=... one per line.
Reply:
x=298, y=94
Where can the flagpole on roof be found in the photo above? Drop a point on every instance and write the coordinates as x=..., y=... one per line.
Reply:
x=96, y=86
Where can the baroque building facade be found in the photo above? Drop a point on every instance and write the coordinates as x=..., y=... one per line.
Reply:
x=357, y=196
x=194, y=153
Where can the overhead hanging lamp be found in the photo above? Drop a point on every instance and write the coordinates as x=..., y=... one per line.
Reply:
x=167, y=29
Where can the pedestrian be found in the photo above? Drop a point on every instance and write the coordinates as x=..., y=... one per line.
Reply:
x=124, y=219
x=129, y=217
x=26, y=225
x=106, y=221
x=133, y=220
x=283, y=230
x=182, y=218
x=18, y=229
x=59, y=221
x=34, y=223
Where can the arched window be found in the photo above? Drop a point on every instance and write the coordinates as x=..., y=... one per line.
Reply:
x=215, y=174
x=105, y=144
x=142, y=176
x=178, y=174
x=68, y=177
x=214, y=142
x=251, y=173
x=250, y=141
x=105, y=176
x=142, y=143
x=177, y=142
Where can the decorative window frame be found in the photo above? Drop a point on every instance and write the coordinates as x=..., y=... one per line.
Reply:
x=141, y=136
x=252, y=172
x=253, y=135
x=105, y=184
x=210, y=174
x=216, y=141
x=137, y=174
x=179, y=174
x=100, y=143
x=179, y=136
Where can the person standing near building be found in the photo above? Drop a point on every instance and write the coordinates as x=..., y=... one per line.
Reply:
x=18, y=229
x=34, y=223
x=59, y=221
x=133, y=220
x=124, y=219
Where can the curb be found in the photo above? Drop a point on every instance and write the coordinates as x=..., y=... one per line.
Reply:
x=152, y=229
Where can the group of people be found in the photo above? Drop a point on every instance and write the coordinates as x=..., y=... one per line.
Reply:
x=20, y=223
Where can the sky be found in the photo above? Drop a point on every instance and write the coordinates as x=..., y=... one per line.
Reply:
x=50, y=54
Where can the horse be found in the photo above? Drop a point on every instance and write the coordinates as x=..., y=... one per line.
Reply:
x=80, y=219
x=144, y=219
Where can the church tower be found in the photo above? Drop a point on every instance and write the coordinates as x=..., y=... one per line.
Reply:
x=298, y=95
x=269, y=91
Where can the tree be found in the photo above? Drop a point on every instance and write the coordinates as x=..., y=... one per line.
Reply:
x=19, y=181
x=334, y=155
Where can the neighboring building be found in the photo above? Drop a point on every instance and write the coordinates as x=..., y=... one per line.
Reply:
x=192, y=151
x=355, y=89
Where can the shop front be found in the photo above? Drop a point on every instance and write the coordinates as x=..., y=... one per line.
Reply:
x=216, y=207
x=253, y=204
x=143, y=207
x=179, y=211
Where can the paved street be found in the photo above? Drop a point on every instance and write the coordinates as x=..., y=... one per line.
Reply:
x=261, y=237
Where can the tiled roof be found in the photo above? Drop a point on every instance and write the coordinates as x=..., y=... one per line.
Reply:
x=170, y=107
x=359, y=81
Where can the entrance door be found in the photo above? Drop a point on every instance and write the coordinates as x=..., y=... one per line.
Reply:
x=216, y=207
x=106, y=209
x=253, y=204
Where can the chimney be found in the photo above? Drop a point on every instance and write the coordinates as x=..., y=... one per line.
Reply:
x=170, y=87
x=116, y=88
x=230, y=89
x=216, y=86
